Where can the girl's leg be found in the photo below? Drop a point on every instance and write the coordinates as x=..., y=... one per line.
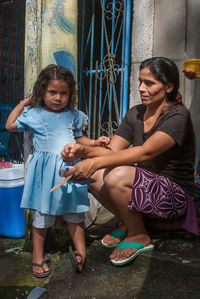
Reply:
x=39, y=235
x=76, y=231
x=118, y=184
x=41, y=222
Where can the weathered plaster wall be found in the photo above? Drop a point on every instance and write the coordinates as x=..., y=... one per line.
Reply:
x=170, y=32
x=50, y=37
x=142, y=42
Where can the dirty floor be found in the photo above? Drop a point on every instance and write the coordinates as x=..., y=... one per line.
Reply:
x=171, y=271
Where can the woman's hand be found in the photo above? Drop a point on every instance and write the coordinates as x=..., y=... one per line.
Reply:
x=82, y=170
x=72, y=151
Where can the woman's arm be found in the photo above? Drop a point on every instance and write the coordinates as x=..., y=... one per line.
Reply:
x=74, y=151
x=15, y=113
x=158, y=143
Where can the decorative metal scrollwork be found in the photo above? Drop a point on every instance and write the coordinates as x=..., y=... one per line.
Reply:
x=109, y=68
x=105, y=127
x=117, y=7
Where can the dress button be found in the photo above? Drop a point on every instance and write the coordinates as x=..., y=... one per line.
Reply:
x=45, y=124
x=58, y=115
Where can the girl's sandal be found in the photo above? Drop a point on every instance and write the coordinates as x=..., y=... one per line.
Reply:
x=44, y=273
x=75, y=264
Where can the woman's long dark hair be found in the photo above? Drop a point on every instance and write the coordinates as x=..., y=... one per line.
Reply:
x=164, y=70
x=53, y=72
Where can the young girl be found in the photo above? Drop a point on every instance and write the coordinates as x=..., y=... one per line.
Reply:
x=49, y=114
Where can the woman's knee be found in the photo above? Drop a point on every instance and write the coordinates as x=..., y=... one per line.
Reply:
x=96, y=186
x=119, y=177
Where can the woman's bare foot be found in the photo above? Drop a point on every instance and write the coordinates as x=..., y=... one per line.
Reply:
x=127, y=252
x=110, y=240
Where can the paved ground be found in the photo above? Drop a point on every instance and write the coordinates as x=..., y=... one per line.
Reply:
x=171, y=271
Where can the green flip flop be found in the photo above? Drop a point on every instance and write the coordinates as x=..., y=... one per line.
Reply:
x=115, y=233
x=140, y=248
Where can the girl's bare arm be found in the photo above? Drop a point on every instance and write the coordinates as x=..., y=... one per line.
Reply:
x=15, y=113
x=101, y=141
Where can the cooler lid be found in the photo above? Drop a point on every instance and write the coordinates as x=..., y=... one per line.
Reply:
x=14, y=173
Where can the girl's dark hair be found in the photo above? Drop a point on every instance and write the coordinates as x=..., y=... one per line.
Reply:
x=53, y=72
x=165, y=71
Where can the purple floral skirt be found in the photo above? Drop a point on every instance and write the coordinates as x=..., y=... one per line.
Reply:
x=159, y=197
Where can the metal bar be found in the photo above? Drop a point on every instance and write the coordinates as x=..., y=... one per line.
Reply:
x=91, y=66
x=95, y=104
x=101, y=70
x=106, y=34
x=111, y=52
x=85, y=101
x=8, y=70
x=122, y=63
x=118, y=38
x=2, y=50
x=127, y=52
x=81, y=59
x=15, y=61
x=21, y=92
x=87, y=42
x=104, y=103
x=115, y=104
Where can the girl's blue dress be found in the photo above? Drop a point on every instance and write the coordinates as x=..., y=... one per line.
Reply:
x=51, y=132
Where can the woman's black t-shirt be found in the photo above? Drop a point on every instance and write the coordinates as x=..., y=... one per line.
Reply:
x=177, y=163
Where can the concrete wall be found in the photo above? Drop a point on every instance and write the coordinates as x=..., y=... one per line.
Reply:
x=172, y=29
x=169, y=33
x=142, y=42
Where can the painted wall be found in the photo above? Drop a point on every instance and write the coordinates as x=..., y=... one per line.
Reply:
x=50, y=37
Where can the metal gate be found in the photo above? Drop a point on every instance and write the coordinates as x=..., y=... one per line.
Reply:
x=104, y=34
x=12, y=28
x=11, y=51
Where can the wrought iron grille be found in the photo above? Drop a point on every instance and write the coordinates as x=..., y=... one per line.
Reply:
x=12, y=15
x=104, y=50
